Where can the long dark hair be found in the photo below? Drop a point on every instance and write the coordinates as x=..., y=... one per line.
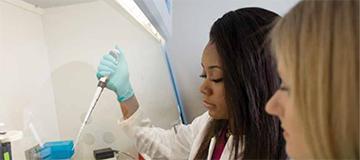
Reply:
x=250, y=79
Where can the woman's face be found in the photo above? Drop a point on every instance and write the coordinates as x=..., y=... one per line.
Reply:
x=282, y=106
x=212, y=87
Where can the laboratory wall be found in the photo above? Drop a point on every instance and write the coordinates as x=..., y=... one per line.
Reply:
x=191, y=25
x=48, y=63
x=26, y=94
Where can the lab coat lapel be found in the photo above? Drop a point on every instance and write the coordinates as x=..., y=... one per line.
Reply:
x=226, y=154
x=197, y=142
x=211, y=148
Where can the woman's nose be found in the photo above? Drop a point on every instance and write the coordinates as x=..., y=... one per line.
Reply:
x=205, y=89
x=272, y=106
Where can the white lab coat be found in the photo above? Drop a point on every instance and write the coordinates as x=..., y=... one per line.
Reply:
x=159, y=143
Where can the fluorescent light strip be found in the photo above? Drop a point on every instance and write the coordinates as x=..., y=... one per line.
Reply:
x=131, y=7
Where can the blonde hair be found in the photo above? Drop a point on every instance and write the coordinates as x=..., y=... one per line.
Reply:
x=318, y=43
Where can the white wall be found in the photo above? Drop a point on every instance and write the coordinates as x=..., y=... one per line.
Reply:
x=77, y=37
x=26, y=94
x=192, y=20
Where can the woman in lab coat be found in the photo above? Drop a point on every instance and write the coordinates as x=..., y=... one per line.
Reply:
x=239, y=78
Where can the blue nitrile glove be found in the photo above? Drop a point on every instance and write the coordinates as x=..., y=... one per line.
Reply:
x=117, y=70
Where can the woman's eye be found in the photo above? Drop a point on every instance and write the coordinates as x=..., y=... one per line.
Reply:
x=204, y=76
x=217, y=80
x=283, y=87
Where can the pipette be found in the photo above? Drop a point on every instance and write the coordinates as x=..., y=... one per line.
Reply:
x=101, y=85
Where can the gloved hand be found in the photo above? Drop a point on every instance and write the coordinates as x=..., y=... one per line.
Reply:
x=117, y=70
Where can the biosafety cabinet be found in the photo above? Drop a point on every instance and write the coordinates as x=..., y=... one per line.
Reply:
x=49, y=52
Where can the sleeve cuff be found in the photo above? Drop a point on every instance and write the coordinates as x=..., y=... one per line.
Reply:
x=131, y=125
